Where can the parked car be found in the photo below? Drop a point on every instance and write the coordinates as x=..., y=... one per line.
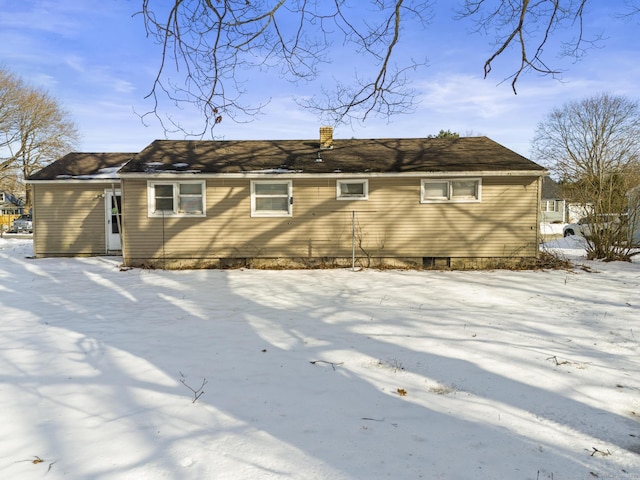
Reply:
x=587, y=225
x=24, y=223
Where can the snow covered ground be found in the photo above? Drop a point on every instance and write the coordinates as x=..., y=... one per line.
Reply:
x=552, y=228
x=325, y=374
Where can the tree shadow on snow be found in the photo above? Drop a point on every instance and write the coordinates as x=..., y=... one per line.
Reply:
x=127, y=355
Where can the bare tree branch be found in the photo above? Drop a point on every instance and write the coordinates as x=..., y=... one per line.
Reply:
x=210, y=49
x=386, y=94
x=214, y=47
x=633, y=8
x=529, y=25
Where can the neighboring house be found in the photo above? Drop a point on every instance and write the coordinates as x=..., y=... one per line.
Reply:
x=553, y=207
x=461, y=202
x=634, y=215
x=10, y=205
x=577, y=211
x=10, y=209
x=75, y=204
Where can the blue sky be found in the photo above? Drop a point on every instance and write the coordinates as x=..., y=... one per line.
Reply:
x=94, y=57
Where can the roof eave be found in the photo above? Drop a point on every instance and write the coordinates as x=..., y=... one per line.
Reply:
x=337, y=174
x=75, y=180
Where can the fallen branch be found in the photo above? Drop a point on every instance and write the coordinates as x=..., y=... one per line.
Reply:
x=197, y=393
x=37, y=460
x=558, y=363
x=333, y=365
x=595, y=450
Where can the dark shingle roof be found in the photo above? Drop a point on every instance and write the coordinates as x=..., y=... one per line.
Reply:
x=551, y=188
x=393, y=155
x=84, y=166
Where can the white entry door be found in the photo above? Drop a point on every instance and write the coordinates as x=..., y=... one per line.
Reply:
x=113, y=206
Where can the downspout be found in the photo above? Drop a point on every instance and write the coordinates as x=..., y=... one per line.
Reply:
x=538, y=217
x=353, y=240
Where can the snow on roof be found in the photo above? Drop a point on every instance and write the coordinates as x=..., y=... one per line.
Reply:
x=103, y=173
x=84, y=166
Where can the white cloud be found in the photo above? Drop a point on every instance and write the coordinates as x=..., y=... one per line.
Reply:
x=123, y=86
x=75, y=63
x=43, y=80
x=60, y=17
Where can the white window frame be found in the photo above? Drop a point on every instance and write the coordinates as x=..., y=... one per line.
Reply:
x=272, y=213
x=550, y=206
x=450, y=197
x=341, y=196
x=175, y=211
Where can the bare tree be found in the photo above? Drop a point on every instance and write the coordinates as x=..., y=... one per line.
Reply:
x=213, y=47
x=592, y=146
x=219, y=44
x=9, y=99
x=34, y=129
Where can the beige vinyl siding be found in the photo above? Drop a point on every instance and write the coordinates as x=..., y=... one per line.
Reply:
x=69, y=219
x=391, y=223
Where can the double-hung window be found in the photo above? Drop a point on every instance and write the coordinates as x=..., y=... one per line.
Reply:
x=352, y=189
x=450, y=190
x=271, y=198
x=176, y=199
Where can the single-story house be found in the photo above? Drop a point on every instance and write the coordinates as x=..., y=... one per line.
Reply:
x=460, y=202
x=76, y=201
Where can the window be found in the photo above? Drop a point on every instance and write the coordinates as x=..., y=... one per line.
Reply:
x=163, y=198
x=190, y=198
x=176, y=199
x=445, y=190
x=352, y=189
x=271, y=198
x=549, y=206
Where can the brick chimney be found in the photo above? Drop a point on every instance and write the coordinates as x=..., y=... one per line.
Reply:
x=326, y=138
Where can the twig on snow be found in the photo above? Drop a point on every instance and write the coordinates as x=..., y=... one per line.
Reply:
x=595, y=450
x=333, y=365
x=36, y=460
x=197, y=393
x=558, y=363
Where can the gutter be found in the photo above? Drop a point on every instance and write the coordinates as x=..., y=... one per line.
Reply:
x=110, y=180
x=337, y=174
